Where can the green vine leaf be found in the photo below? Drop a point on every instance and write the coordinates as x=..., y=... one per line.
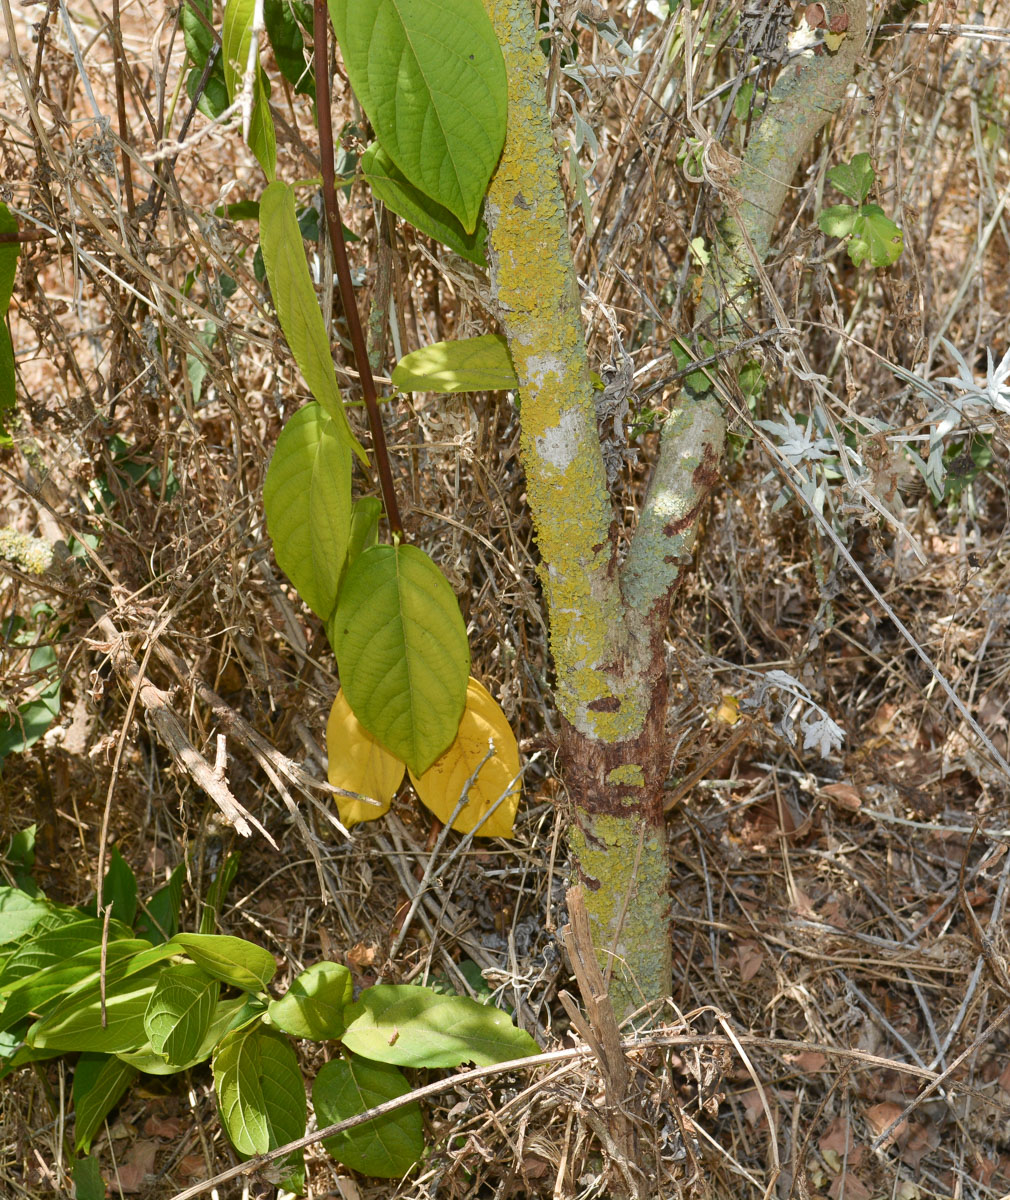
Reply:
x=297, y=308
x=875, y=238
x=431, y=77
x=402, y=652
x=307, y=498
x=385, y=1147
x=411, y=1026
x=396, y=191
x=837, y=221
x=854, y=179
x=477, y=364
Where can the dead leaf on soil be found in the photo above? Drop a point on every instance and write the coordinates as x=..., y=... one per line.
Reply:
x=849, y=1187
x=750, y=957
x=880, y=1116
x=136, y=1166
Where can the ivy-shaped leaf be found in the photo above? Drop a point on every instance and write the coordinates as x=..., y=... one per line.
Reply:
x=402, y=652
x=431, y=77
x=875, y=238
x=232, y=960
x=854, y=179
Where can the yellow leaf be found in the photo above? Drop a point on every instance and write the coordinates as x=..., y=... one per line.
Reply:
x=728, y=712
x=441, y=786
x=358, y=763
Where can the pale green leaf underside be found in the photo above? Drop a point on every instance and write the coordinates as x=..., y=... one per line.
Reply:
x=393, y=188
x=236, y=39
x=477, y=364
x=180, y=1011
x=413, y=1027
x=402, y=652
x=260, y=1094
x=431, y=77
x=307, y=498
x=385, y=1147
x=297, y=307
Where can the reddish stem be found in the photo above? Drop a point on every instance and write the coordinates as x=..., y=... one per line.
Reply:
x=336, y=232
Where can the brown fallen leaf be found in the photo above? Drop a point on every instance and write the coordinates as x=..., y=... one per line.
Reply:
x=750, y=957
x=880, y=1116
x=136, y=1166
x=843, y=796
x=849, y=1187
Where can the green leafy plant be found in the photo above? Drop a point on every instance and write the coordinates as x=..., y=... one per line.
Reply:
x=872, y=236
x=166, y=1004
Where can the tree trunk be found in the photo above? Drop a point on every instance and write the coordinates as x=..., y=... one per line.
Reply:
x=607, y=621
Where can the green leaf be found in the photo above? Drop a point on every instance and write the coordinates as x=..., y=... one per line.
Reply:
x=159, y=919
x=56, y=940
x=260, y=1094
x=288, y=45
x=307, y=498
x=875, y=238
x=217, y=891
x=22, y=729
x=76, y=1023
x=477, y=364
x=19, y=912
x=431, y=77
x=44, y=991
x=837, y=221
x=180, y=1011
x=314, y=1004
x=232, y=960
x=9, y=254
x=415, y=1027
x=297, y=308
x=236, y=41
x=385, y=1147
x=228, y=1015
x=99, y=1084
x=214, y=98
x=402, y=652
x=197, y=35
x=854, y=178
x=119, y=890
x=396, y=191
x=364, y=526
x=88, y=1181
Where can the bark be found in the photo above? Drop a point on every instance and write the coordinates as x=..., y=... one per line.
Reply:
x=608, y=623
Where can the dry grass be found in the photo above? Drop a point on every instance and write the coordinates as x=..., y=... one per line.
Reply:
x=840, y=924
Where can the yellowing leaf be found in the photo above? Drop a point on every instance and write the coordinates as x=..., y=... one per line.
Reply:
x=441, y=786
x=358, y=763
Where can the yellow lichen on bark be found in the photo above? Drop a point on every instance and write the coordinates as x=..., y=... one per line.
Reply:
x=537, y=295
